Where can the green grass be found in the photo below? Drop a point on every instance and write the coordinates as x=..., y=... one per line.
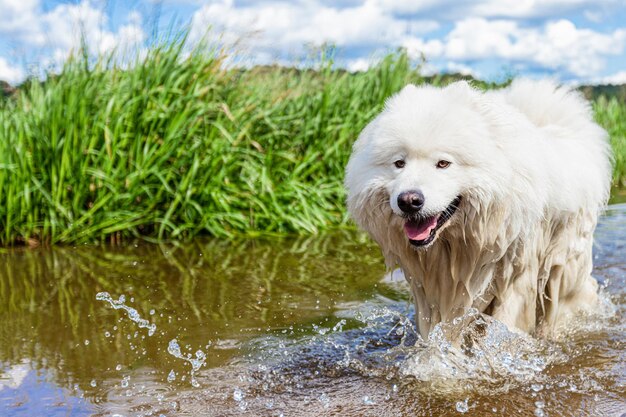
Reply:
x=178, y=146
x=611, y=114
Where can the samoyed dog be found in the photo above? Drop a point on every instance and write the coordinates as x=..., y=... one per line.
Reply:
x=485, y=200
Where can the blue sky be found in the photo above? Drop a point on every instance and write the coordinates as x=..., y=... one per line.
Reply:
x=574, y=41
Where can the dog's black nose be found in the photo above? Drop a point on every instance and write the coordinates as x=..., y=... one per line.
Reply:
x=411, y=201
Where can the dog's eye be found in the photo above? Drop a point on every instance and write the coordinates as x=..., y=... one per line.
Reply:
x=443, y=164
x=399, y=163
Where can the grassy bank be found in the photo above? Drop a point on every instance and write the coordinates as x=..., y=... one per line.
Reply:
x=177, y=147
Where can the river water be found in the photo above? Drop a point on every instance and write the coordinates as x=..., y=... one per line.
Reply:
x=293, y=327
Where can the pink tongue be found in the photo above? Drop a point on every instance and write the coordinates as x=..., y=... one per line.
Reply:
x=420, y=231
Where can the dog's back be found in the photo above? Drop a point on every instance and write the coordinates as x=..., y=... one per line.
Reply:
x=572, y=156
x=579, y=188
x=546, y=103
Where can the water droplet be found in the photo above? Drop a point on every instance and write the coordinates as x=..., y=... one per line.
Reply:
x=536, y=387
x=93, y=383
x=118, y=367
x=324, y=400
x=238, y=395
x=125, y=381
x=339, y=326
x=86, y=342
x=171, y=377
x=462, y=407
x=368, y=401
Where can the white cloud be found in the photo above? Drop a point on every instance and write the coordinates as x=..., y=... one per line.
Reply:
x=453, y=10
x=528, y=8
x=413, y=6
x=283, y=26
x=462, y=69
x=11, y=74
x=277, y=28
x=615, y=79
x=67, y=25
x=558, y=45
x=528, y=35
x=17, y=17
x=418, y=47
x=49, y=37
x=359, y=64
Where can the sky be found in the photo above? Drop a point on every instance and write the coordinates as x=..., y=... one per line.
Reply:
x=573, y=41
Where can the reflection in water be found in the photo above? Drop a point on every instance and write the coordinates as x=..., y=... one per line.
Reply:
x=289, y=326
x=13, y=375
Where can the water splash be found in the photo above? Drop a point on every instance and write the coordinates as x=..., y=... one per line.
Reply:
x=478, y=349
x=238, y=396
x=132, y=313
x=324, y=399
x=196, y=363
x=472, y=354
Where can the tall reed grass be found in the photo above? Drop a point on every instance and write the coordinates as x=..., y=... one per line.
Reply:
x=611, y=114
x=177, y=145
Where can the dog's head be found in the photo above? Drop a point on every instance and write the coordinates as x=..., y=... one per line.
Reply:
x=415, y=164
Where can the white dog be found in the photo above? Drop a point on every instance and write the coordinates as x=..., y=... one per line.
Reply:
x=485, y=200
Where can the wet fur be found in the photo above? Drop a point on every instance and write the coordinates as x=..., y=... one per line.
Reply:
x=533, y=170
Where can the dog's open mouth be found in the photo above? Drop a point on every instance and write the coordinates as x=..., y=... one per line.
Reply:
x=422, y=230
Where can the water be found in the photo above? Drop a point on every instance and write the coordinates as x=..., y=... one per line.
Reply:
x=306, y=326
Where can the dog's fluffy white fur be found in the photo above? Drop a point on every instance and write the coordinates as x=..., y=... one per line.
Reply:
x=533, y=171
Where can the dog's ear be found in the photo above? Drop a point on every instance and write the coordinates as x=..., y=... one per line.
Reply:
x=403, y=98
x=476, y=99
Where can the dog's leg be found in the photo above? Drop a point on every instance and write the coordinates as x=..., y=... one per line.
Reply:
x=515, y=305
x=569, y=287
